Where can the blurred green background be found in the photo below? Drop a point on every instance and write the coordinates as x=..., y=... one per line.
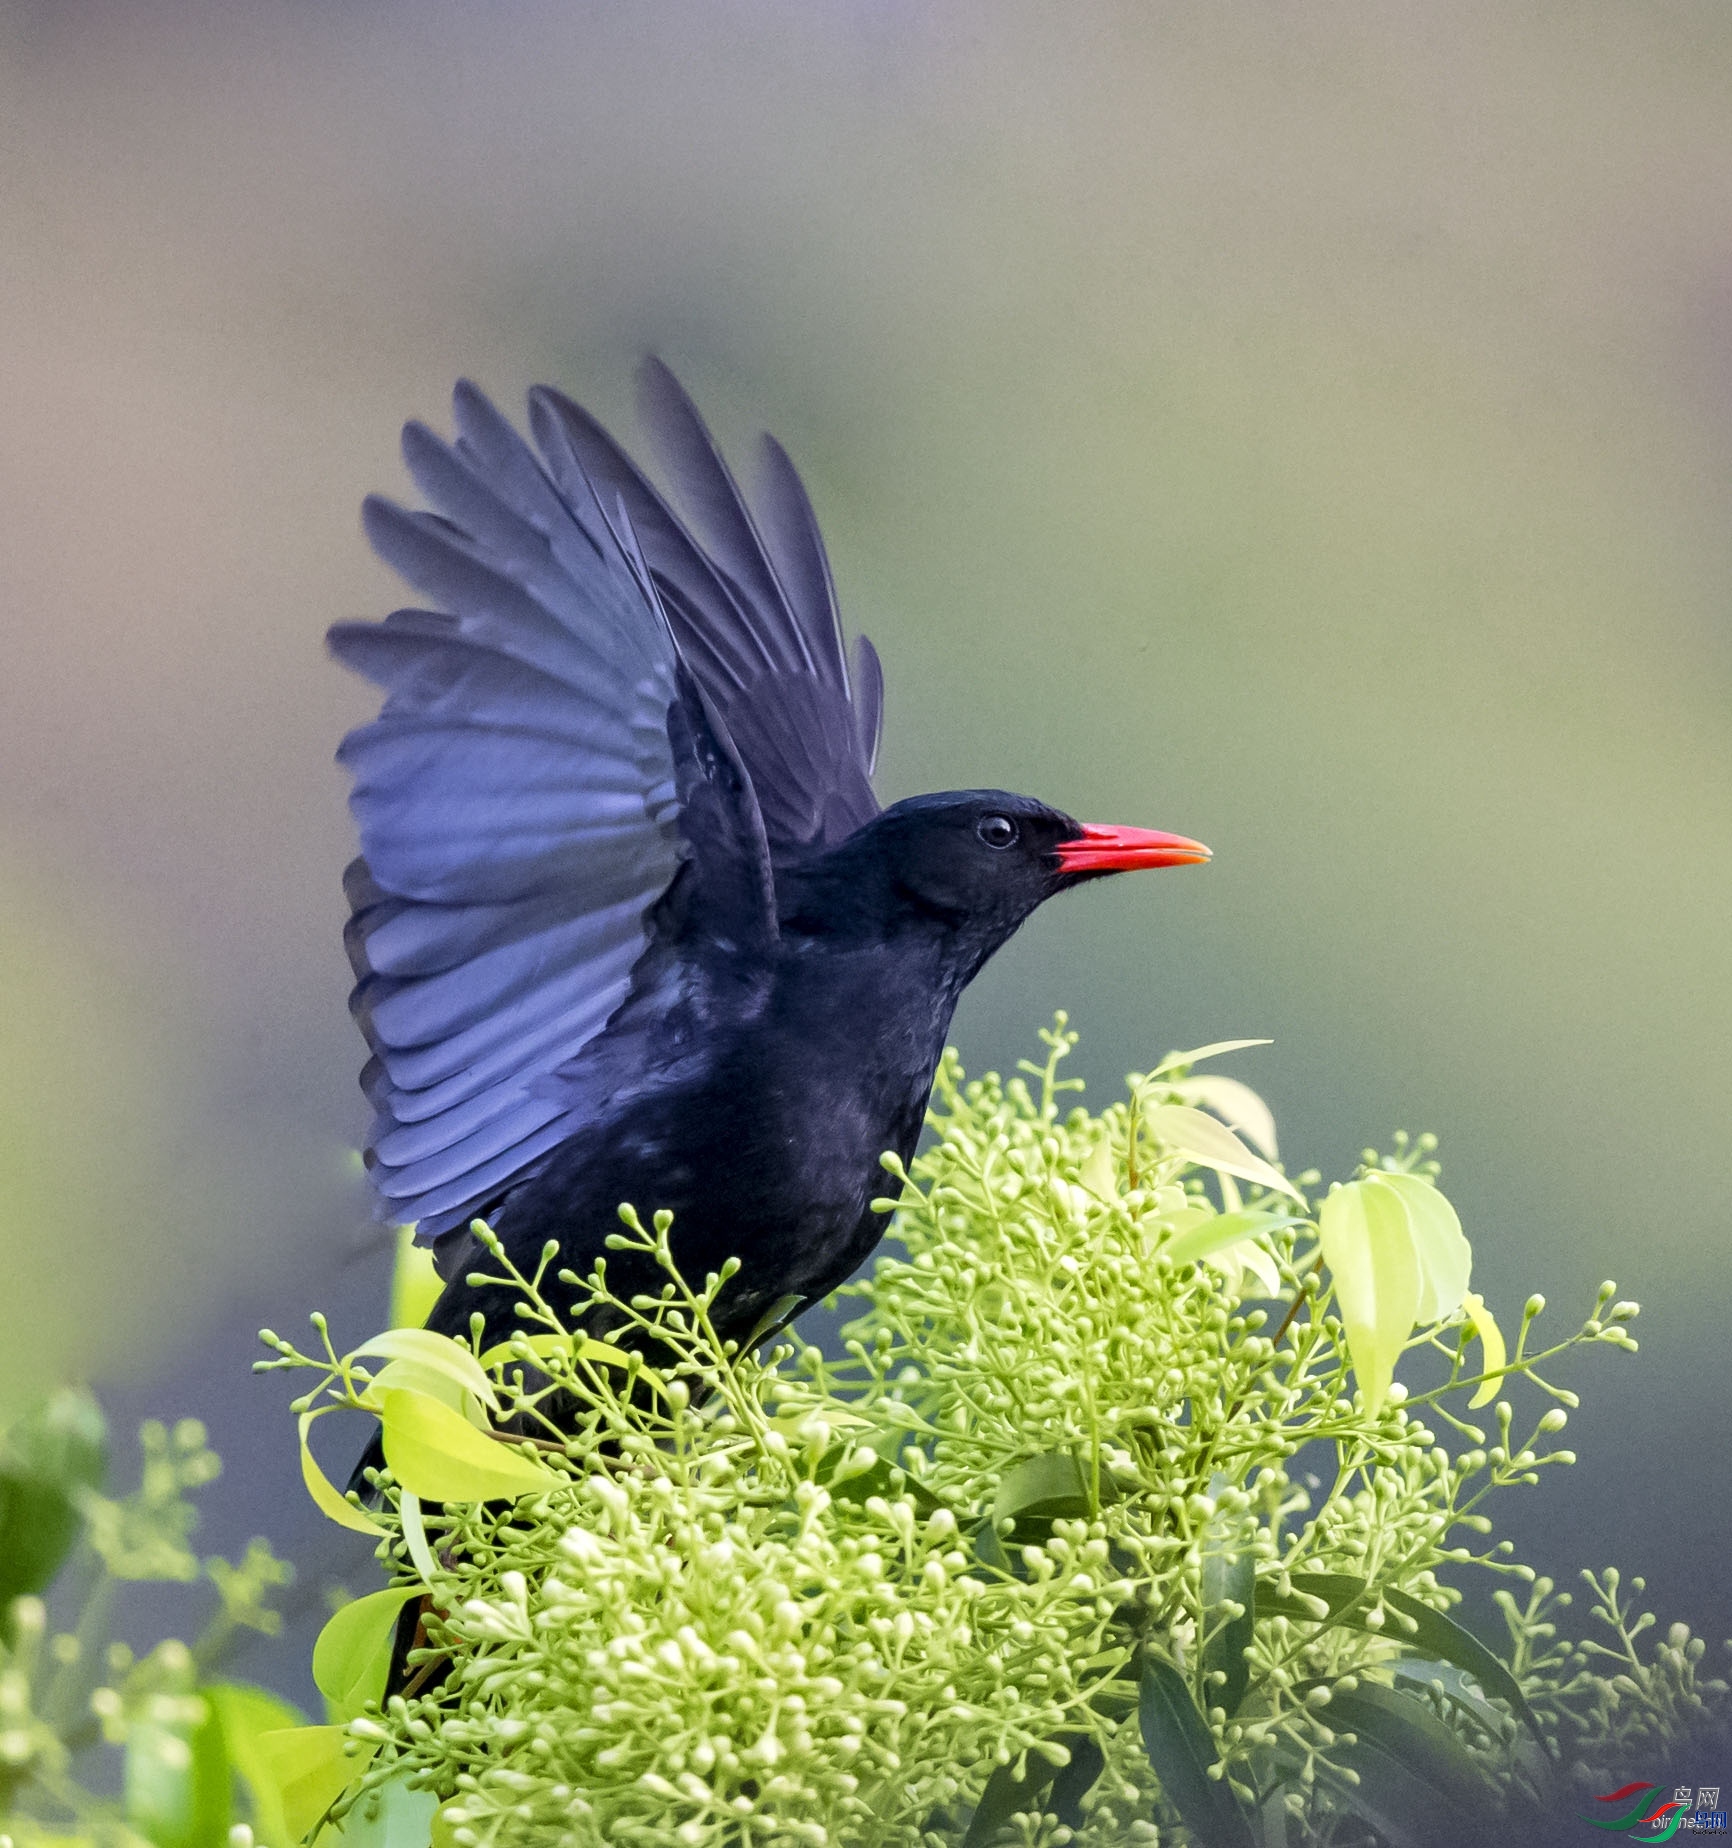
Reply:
x=1306, y=428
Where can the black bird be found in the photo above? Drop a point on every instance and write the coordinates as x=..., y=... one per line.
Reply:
x=628, y=922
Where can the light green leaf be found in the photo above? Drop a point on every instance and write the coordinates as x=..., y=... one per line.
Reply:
x=438, y=1455
x=1445, y=1257
x=415, y=1285
x=1492, y=1347
x=1261, y=1264
x=415, y=1536
x=1099, y=1172
x=310, y=1770
x=1181, y=1750
x=1368, y=1245
x=333, y=1506
x=353, y=1652
x=1047, y=1487
x=244, y=1713
x=1177, y=1061
x=1212, y=1144
x=179, y=1788
x=1216, y=1231
x=1237, y=1104
x=393, y=1816
x=439, y=1352
x=571, y=1348
x=417, y=1376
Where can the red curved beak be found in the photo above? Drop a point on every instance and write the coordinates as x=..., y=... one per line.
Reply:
x=1123, y=850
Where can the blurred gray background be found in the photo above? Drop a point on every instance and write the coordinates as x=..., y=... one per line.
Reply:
x=1308, y=428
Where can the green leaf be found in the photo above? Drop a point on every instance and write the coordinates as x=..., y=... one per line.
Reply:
x=179, y=1786
x=393, y=1816
x=1236, y=1104
x=244, y=1713
x=1386, y=1795
x=1229, y=1575
x=1440, y=1245
x=1181, y=1749
x=310, y=1770
x=333, y=1506
x=1433, y=1634
x=1048, y=1487
x=353, y=1653
x=1213, y=1145
x=1008, y=1794
x=54, y=1451
x=415, y=1284
x=453, y=1359
x=1077, y=1779
x=776, y=1317
x=1492, y=1349
x=1220, y=1230
x=1368, y=1245
x=1418, y=1784
x=1444, y=1640
x=436, y=1454
x=878, y=1478
x=1405, y=1727
x=1182, y=1061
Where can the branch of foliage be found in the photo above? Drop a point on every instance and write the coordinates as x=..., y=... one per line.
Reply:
x=1042, y=1556
x=191, y=1748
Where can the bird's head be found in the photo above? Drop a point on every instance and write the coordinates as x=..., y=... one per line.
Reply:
x=976, y=862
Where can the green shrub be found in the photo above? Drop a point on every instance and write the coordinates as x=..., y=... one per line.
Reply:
x=1129, y=1512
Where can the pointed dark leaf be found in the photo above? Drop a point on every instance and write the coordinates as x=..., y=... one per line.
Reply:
x=1181, y=1749
x=883, y=1478
x=1405, y=1727
x=1048, y=1487
x=54, y=1451
x=1077, y=1779
x=1445, y=1640
x=1007, y=1795
x=1229, y=1574
x=1417, y=1784
x=1433, y=1634
x=1386, y=1796
x=989, y=1549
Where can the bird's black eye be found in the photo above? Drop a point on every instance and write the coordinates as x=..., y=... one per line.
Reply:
x=997, y=830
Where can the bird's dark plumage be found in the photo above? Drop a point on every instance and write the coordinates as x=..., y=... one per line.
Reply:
x=628, y=923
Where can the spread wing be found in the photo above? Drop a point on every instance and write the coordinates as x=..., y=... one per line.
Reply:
x=753, y=607
x=548, y=757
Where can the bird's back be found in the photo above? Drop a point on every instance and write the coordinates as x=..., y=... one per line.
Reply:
x=765, y=1140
